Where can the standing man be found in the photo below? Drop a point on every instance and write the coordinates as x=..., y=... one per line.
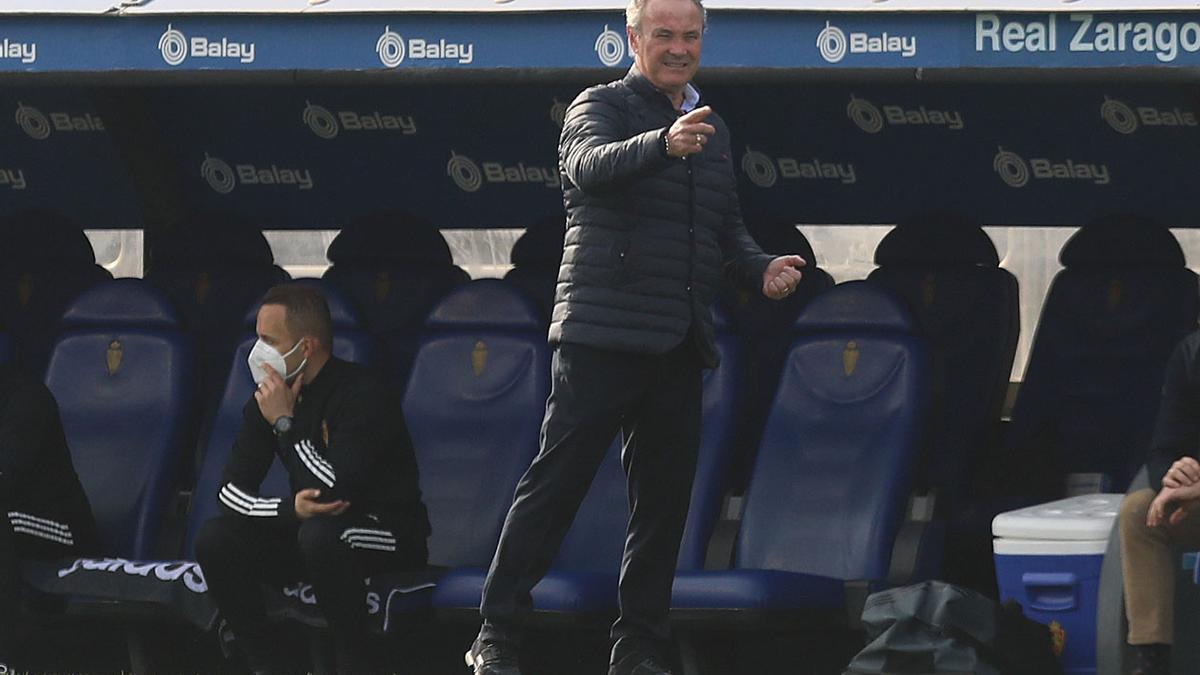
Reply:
x=652, y=218
x=355, y=506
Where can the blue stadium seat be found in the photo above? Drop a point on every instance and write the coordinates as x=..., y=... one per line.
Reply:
x=765, y=327
x=474, y=406
x=350, y=343
x=582, y=584
x=725, y=389
x=51, y=263
x=122, y=371
x=394, y=267
x=536, y=257
x=213, y=267
x=1092, y=385
x=947, y=270
x=831, y=479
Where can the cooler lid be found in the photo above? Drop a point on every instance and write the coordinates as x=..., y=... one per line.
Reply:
x=1043, y=547
x=1085, y=517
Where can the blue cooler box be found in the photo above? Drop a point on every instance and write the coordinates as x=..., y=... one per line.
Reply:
x=1048, y=558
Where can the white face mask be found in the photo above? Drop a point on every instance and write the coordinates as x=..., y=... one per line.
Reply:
x=265, y=354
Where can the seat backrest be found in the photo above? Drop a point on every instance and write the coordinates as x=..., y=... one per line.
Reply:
x=395, y=268
x=213, y=267
x=831, y=478
x=474, y=407
x=758, y=318
x=596, y=539
x=723, y=406
x=536, y=257
x=1093, y=381
x=51, y=263
x=350, y=343
x=765, y=328
x=351, y=339
x=122, y=373
x=947, y=270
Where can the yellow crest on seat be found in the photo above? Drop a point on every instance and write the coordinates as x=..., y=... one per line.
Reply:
x=850, y=358
x=113, y=356
x=928, y=290
x=25, y=289
x=203, y=287
x=1114, y=294
x=479, y=357
x=383, y=286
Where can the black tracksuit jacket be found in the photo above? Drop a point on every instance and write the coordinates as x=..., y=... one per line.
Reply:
x=348, y=439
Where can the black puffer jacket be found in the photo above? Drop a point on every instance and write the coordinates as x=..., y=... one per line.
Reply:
x=647, y=234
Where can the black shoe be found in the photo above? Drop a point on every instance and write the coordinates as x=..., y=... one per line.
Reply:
x=492, y=658
x=1153, y=660
x=638, y=663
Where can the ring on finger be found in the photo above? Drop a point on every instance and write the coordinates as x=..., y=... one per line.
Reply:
x=699, y=139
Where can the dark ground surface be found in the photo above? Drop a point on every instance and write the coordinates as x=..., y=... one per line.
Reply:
x=428, y=648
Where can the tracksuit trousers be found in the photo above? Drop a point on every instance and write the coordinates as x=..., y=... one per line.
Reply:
x=239, y=555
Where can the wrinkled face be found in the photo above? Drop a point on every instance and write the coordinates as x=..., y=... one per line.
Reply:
x=667, y=48
x=272, y=329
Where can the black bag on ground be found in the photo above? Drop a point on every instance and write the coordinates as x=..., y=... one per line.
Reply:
x=935, y=627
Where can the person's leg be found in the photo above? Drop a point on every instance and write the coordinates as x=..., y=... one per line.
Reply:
x=1148, y=572
x=590, y=391
x=237, y=556
x=30, y=540
x=339, y=553
x=1148, y=565
x=662, y=441
x=10, y=591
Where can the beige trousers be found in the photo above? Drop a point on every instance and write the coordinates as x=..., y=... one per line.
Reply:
x=1148, y=564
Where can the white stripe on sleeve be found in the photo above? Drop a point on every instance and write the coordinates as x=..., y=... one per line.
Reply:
x=314, y=467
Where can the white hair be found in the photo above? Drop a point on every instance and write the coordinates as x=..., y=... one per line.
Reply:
x=633, y=14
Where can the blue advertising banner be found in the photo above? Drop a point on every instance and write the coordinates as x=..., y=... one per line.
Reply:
x=486, y=156
x=464, y=156
x=737, y=39
x=1009, y=154
x=55, y=152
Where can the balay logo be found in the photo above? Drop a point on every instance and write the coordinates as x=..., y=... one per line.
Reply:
x=223, y=178
x=175, y=48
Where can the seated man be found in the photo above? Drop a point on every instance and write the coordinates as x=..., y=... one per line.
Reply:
x=46, y=513
x=1155, y=520
x=355, y=508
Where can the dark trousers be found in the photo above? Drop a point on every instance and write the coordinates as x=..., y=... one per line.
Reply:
x=654, y=400
x=15, y=547
x=239, y=555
